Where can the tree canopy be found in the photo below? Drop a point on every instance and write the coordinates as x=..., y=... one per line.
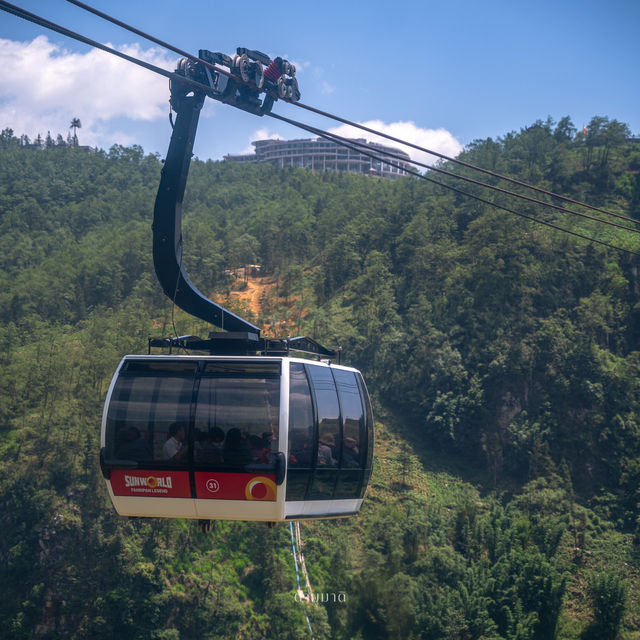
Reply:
x=502, y=356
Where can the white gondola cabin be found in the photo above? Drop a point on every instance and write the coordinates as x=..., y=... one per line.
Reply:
x=236, y=438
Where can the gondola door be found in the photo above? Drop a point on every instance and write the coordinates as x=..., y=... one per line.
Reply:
x=236, y=438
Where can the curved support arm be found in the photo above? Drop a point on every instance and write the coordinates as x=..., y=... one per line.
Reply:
x=167, y=220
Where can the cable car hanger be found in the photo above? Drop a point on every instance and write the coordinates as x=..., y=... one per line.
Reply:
x=247, y=432
x=250, y=74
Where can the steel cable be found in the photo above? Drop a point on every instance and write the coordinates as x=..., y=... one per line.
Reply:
x=522, y=196
x=351, y=123
x=348, y=144
x=22, y=13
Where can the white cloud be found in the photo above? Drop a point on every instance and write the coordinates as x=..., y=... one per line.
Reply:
x=327, y=88
x=44, y=86
x=260, y=134
x=439, y=140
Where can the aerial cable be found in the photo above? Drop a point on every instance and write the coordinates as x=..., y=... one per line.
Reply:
x=460, y=162
x=22, y=13
x=390, y=154
x=345, y=142
x=442, y=156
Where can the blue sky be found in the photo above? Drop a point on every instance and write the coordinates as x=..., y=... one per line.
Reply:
x=438, y=73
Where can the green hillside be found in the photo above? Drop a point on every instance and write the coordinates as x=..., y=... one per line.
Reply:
x=502, y=357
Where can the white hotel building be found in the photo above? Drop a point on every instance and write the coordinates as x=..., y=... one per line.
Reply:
x=322, y=155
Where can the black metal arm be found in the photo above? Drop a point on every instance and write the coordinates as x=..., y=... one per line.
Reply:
x=167, y=218
x=242, y=337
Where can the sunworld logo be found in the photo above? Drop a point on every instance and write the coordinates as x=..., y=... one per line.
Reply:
x=150, y=482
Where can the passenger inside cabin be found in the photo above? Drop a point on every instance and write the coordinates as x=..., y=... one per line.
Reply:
x=259, y=448
x=236, y=451
x=174, y=448
x=350, y=453
x=300, y=448
x=271, y=444
x=210, y=447
x=325, y=450
x=133, y=446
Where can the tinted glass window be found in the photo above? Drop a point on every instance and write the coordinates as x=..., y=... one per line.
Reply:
x=329, y=440
x=369, y=432
x=300, y=418
x=301, y=433
x=237, y=415
x=353, y=436
x=323, y=485
x=149, y=412
x=328, y=416
x=349, y=483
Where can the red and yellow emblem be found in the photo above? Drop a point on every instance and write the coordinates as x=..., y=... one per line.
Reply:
x=260, y=488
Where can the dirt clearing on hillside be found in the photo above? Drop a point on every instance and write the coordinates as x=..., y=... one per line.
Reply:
x=276, y=315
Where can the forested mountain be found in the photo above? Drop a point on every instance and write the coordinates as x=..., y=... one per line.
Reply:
x=502, y=356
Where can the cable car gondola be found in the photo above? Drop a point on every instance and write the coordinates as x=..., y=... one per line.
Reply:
x=238, y=438
x=241, y=429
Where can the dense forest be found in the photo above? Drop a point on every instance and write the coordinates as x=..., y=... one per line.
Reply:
x=502, y=356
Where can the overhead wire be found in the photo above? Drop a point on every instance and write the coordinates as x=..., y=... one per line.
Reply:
x=384, y=152
x=457, y=161
x=22, y=13
x=348, y=144
x=351, y=123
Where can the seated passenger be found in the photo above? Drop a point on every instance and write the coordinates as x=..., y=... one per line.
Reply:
x=259, y=449
x=133, y=446
x=210, y=450
x=235, y=452
x=300, y=448
x=174, y=448
x=325, y=450
x=350, y=453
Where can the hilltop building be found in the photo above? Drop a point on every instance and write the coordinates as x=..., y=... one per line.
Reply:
x=323, y=155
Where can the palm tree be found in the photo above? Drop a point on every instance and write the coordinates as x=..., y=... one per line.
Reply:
x=75, y=125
